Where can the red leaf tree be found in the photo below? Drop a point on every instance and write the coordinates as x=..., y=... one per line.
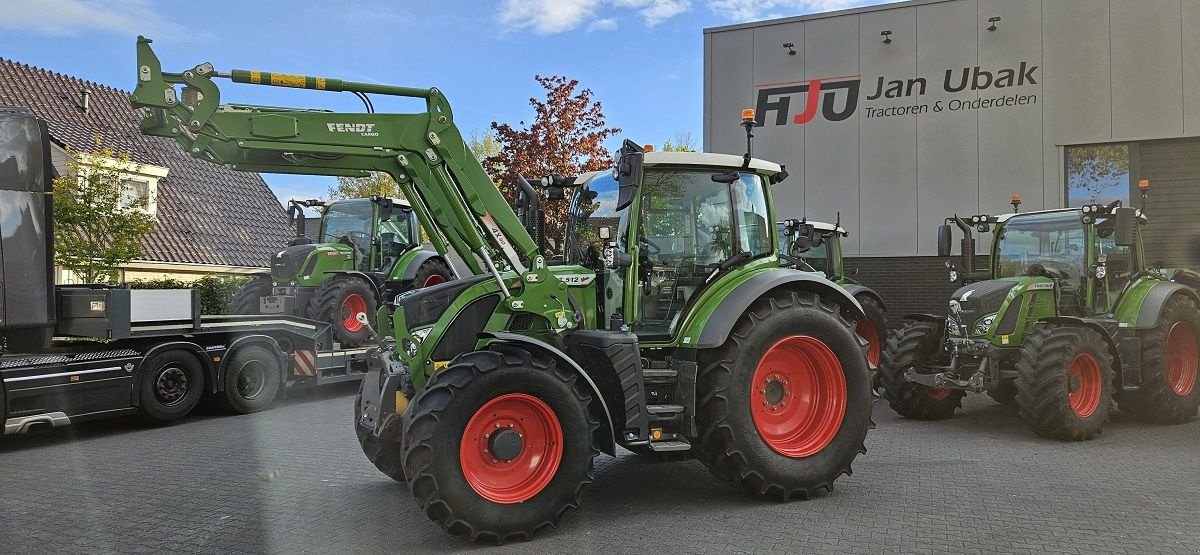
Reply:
x=566, y=137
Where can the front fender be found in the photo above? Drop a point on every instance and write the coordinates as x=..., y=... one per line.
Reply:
x=405, y=269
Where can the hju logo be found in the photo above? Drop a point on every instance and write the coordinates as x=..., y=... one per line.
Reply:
x=836, y=98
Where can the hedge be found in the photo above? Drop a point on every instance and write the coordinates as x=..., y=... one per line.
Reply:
x=215, y=291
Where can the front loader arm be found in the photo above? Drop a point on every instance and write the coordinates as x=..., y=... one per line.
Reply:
x=454, y=199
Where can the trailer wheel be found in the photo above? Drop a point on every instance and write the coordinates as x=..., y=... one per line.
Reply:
x=1170, y=391
x=911, y=348
x=338, y=301
x=252, y=379
x=1065, y=382
x=170, y=385
x=432, y=272
x=785, y=404
x=245, y=301
x=383, y=452
x=499, y=444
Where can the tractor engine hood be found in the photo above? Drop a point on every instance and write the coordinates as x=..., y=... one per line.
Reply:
x=288, y=262
x=972, y=302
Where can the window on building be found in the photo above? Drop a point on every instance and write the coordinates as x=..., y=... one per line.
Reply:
x=1097, y=174
x=136, y=193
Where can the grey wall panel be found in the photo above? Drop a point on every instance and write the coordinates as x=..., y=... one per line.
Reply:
x=732, y=75
x=947, y=141
x=1147, y=84
x=783, y=144
x=1173, y=234
x=831, y=147
x=706, y=133
x=1078, y=104
x=1190, y=11
x=1010, y=137
x=887, y=145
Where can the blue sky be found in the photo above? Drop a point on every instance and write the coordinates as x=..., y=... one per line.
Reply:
x=642, y=58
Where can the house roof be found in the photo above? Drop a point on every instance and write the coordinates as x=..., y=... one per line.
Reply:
x=207, y=214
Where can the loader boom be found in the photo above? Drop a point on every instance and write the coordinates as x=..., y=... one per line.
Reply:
x=456, y=202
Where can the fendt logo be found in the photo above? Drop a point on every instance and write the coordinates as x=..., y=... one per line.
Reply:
x=838, y=98
x=364, y=129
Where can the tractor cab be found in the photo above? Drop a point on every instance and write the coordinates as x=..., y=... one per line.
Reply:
x=377, y=230
x=814, y=246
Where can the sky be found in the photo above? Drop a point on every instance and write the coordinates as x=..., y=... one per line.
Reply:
x=643, y=59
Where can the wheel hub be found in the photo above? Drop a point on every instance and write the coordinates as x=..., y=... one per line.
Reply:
x=774, y=392
x=506, y=444
x=171, y=385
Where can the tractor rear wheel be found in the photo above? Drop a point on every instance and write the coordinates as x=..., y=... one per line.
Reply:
x=1065, y=382
x=245, y=301
x=784, y=405
x=874, y=328
x=432, y=272
x=338, y=301
x=913, y=347
x=1170, y=391
x=385, y=450
x=499, y=444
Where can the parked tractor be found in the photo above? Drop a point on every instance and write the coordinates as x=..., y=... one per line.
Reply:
x=366, y=250
x=1068, y=317
x=817, y=247
x=670, y=325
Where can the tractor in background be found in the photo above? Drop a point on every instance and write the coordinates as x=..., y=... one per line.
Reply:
x=366, y=250
x=1068, y=317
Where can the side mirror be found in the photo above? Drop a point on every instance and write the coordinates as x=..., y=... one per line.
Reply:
x=1125, y=232
x=628, y=172
x=945, y=234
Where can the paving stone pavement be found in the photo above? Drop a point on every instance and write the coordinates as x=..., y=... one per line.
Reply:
x=292, y=480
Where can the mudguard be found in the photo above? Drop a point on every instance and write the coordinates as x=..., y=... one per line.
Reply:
x=855, y=290
x=720, y=323
x=368, y=278
x=921, y=317
x=607, y=441
x=1152, y=305
x=413, y=263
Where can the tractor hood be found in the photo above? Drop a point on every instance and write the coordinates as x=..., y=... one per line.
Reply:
x=288, y=262
x=974, y=301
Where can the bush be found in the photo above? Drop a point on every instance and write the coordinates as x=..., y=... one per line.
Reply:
x=215, y=291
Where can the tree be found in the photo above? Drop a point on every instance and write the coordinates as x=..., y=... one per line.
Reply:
x=566, y=137
x=681, y=142
x=98, y=226
x=376, y=184
x=1097, y=169
x=483, y=146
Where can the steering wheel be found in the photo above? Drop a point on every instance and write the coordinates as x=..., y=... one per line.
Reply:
x=650, y=246
x=1043, y=271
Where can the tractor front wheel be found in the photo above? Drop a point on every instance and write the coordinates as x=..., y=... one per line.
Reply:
x=785, y=404
x=499, y=444
x=911, y=348
x=1170, y=391
x=245, y=301
x=338, y=301
x=1064, y=383
x=432, y=272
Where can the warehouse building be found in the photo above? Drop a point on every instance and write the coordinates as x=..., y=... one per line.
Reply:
x=900, y=115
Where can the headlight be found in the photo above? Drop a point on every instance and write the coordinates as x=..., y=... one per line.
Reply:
x=951, y=326
x=982, y=325
x=421, y=334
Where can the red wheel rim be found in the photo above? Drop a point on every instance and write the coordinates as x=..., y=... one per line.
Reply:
x=434, y=280
x=511, y=448
x=351, y=307
x=1086, y=385
x=1181, y=358
x=798, y=396
x=866, y=330
x=937, y=393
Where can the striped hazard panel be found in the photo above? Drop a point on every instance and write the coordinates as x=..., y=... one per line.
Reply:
x=305, y=363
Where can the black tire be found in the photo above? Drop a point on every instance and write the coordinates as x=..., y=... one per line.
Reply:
x=170, y=385
x=1046, y=381
x=731, y=444
x=1159, y=399
x=252, y=379
x=432, y=271
x=911, y=348
x=438, y=418
x=1005, y=393
x=331, y=303
x=384, y=451
x=245, y=300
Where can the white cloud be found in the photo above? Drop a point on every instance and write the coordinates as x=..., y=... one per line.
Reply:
x=73, y=17
x=546, y=16
x=749, y=10
x=606, y=24
x=656, y=11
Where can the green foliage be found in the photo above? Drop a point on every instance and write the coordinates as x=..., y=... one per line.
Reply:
x=681, y=142
x=483, y=146
x=1096, y=169
x=215, y=291
x=376, y=184
x=97, y=227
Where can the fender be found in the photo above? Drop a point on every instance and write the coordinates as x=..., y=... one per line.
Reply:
x=607, y=441
x=410, y=262
x=368, y=278
x=855, y=290
x=720, y=323
x=1154, y=301
x=920, y=317
x=245, y=341
x=206, y=364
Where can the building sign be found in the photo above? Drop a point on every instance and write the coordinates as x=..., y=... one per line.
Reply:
x=837, y=98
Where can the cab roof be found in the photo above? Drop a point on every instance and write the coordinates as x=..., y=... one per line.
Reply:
x=708, y=159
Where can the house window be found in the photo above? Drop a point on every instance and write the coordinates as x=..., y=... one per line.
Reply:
x=1097, y=174
x=136, y=194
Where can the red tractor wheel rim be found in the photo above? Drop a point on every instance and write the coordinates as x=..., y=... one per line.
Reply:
x=351, y=307
x=511, y=448
x=866, y=330
x=798, y=396
x=434, y=280
x=1086, y=385
x=937, y=393
x=1181, y=358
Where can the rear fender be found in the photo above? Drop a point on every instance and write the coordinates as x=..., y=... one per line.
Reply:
x=405, y=269
x=597, y=407
x=919, y=317
x=1152, y=304
x=857, y=290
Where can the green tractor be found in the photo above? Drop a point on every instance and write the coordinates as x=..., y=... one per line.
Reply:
x=366, y=250
x=670, y=325
x=817, y=247
x=1068, y=318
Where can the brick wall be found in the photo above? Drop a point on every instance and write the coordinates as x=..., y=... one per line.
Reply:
x=908, y=284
